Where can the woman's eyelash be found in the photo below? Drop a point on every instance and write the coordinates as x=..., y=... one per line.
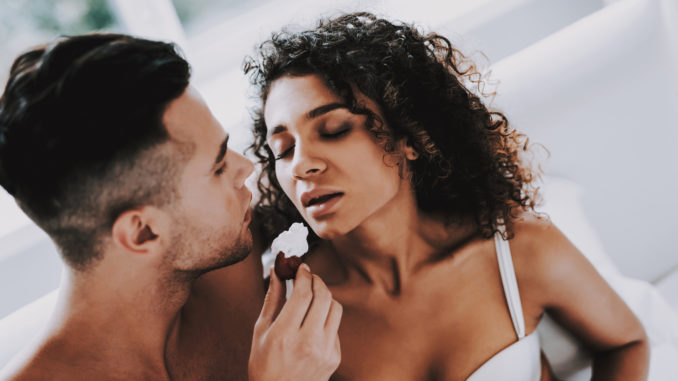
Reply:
x=333, y=135
x=283, y=154
x=337, y=134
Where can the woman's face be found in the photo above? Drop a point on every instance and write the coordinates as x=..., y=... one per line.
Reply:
x=327, y=162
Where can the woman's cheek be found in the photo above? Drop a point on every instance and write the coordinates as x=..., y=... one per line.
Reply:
x=285, y=183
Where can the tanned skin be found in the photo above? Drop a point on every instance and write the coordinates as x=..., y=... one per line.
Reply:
x=423, y=299
x=139, y=313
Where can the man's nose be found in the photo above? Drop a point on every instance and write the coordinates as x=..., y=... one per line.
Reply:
x=244, y=169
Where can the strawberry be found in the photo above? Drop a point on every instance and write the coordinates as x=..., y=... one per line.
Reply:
x=286, y=268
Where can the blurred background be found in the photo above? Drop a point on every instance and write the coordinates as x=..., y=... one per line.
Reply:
x=595, y=81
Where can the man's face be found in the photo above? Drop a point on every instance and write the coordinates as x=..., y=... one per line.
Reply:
x=211, y=217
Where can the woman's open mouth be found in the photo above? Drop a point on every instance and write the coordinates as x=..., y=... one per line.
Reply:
x=323, y=205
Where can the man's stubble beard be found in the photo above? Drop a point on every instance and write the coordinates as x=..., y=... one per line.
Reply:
x=211, y=253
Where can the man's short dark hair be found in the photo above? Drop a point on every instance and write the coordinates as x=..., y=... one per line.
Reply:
x=81, y=134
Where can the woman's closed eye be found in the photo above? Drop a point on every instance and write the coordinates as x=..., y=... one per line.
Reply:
x=333, y=135
x=285, y=153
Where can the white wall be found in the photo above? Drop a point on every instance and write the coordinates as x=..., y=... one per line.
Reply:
x=600, y=94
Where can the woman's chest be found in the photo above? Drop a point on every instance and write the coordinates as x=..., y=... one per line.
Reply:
x=440, y=333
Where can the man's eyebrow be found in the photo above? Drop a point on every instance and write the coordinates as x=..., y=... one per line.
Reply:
x=316, y=112
x=222, y=151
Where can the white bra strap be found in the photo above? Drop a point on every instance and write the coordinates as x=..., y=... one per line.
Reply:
x=508, y=280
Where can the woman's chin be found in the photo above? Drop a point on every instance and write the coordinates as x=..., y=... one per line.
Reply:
x=327, y=234
x=327, y=230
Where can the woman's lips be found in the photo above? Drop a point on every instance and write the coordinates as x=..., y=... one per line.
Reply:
x=326, y=206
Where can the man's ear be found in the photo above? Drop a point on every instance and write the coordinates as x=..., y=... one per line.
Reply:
x=137, y=230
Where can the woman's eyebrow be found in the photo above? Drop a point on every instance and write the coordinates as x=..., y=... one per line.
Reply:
x=276, y=130
x=324, y=109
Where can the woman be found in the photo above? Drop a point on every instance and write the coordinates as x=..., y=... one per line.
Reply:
x=423, y=210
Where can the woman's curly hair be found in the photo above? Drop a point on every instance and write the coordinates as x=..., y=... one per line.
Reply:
x=469, y=158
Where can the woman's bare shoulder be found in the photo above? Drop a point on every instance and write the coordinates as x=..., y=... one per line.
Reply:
x=541, y=252
x=533, y=229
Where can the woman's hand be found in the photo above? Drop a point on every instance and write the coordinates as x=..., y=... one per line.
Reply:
x=296, y=340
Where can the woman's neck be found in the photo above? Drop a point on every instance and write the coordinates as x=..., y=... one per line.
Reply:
x=387, y=249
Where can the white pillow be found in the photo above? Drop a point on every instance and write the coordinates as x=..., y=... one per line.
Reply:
x=562, y=202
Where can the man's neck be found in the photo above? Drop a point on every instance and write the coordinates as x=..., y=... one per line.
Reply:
x=124, y=324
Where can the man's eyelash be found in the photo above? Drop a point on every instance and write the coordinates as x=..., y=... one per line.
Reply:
x=220, y=170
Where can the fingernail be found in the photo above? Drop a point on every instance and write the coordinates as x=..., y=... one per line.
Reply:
x=306, y=267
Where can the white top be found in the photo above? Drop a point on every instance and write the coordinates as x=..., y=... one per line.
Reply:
x=520, y=361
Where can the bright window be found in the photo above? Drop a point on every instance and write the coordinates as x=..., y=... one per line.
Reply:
x=24, y=23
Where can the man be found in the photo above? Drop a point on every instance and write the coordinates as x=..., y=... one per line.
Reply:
x=106, y=146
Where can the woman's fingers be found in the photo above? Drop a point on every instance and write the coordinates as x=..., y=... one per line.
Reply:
x=301, y=342
x=273, y=302
x=296, y=308
x=337, y=350
x=332, y=329
x=333, y=318
x=320, y=306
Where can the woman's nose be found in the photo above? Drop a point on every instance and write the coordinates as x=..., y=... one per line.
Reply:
x=307, y=162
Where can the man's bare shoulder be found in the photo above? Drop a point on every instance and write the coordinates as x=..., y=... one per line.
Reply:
x=40, y=365
x=34, y=372
x=62, y=356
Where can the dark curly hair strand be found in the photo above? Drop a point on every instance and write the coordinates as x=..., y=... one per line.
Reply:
x=469, y=157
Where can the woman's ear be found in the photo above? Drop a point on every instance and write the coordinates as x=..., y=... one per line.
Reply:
x=136, y=231
x=409, y=151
